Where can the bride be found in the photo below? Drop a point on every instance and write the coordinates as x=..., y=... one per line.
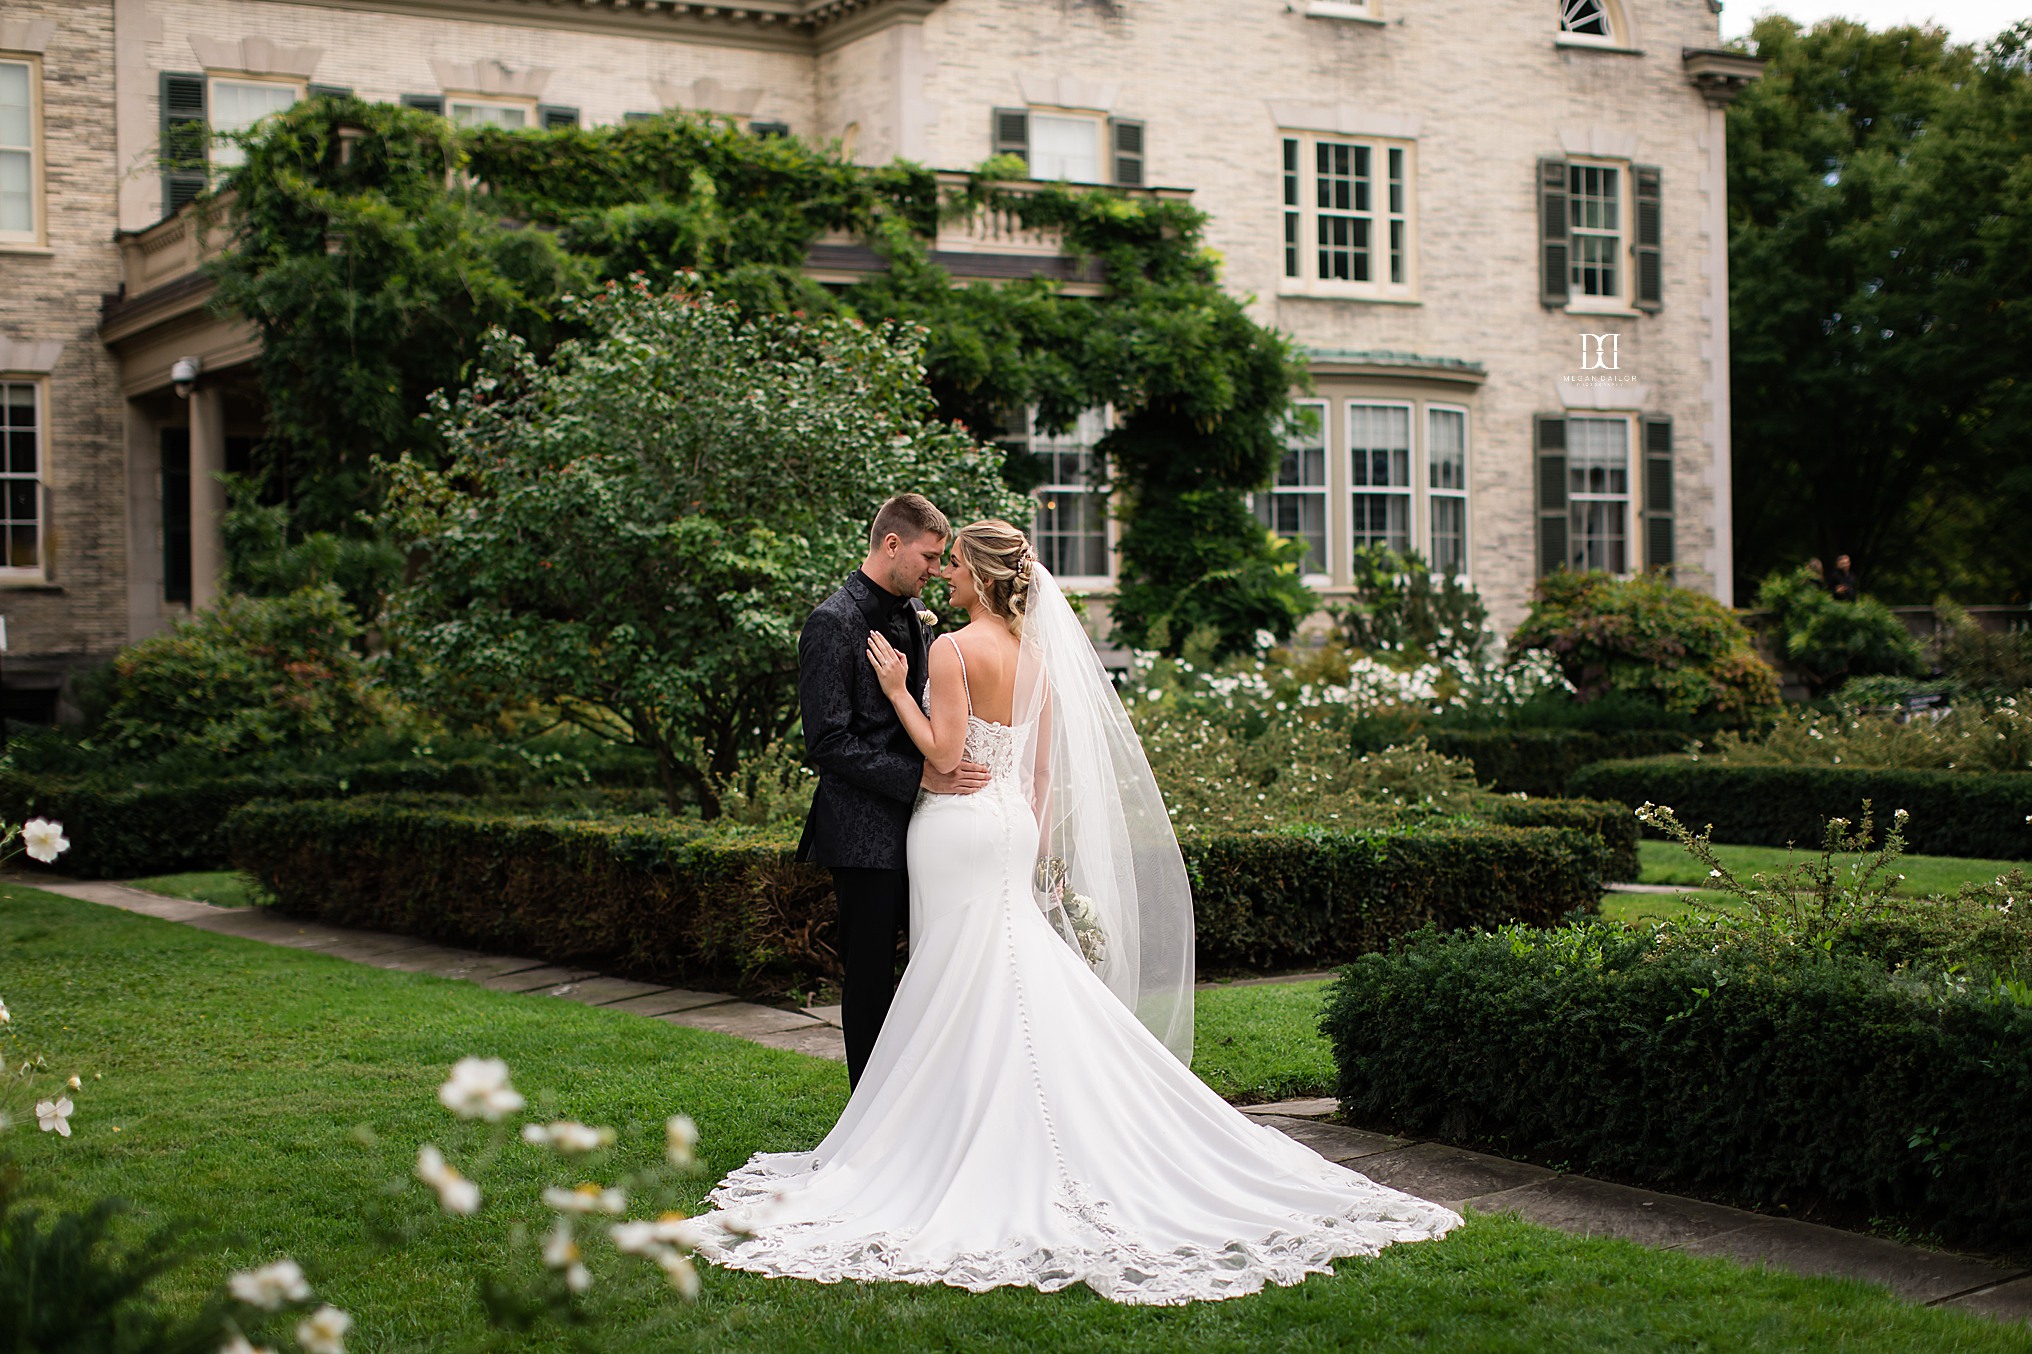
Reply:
x=1027, y=1116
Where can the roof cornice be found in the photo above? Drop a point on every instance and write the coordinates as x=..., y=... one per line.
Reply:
x=803, y=26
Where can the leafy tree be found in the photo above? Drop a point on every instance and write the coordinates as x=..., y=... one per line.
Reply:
x=1679, y=649
x=1826, y=639
x=634, y=528
x=1880, y=198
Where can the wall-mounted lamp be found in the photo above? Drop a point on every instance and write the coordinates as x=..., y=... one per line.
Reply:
x=184, y=375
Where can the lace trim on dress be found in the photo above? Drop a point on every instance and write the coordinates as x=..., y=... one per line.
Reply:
x=1107, y=1261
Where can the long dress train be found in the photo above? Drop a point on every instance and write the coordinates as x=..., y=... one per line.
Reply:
x=1018, y=1125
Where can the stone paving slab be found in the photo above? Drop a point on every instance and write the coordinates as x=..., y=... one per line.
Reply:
x=1335, y=1143
x=820, y=1041
x=122, y=896
x=1909, y=1271
x=1272, y=981
x=600, y=990
x=744, y=1020
x=668, y=1002
x=831, y=1015
x=432, y=959
x=1318, y=1108
x=1448, y=1175
x=2007, y=1301
x=535, y=979
x=1584, y=1207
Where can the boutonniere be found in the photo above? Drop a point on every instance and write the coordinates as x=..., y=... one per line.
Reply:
x=925, y=616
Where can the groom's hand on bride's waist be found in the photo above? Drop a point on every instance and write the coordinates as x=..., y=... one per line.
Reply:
x=963, y=779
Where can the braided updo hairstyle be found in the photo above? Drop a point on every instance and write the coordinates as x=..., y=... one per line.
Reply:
x=998, y=556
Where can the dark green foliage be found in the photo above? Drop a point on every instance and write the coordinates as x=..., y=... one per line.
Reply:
x=1611, y=822
x=247, y=675
x=1826, y=639
x=1979, y=661
x=1199, y=562
x=1645, y=637
x=1954, y=813
x=654, y=898
x=1821, y=1083
x=1536, y=762
x=1396, y=606
x=67, y=1286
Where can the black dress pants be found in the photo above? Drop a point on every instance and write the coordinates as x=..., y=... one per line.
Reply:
x=874, y=908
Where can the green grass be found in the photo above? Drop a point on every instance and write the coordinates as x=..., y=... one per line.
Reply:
x=1668, y=863
x=235, y=1074
x=1262, y=1042
x=225, y=888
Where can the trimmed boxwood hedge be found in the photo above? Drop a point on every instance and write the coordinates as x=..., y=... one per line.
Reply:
x=1954, y=813
x=1607, y=819
x=1828, y=1085
x=658, y=899
x=1536, y=762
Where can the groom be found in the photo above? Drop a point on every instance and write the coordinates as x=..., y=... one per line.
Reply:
x=869, y=771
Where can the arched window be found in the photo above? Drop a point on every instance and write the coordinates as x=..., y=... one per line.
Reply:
x=1587, y=18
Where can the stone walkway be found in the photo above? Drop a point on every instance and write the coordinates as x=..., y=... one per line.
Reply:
x=1431, y=1170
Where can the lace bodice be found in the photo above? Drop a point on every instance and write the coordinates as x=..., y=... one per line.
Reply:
x=988, y=744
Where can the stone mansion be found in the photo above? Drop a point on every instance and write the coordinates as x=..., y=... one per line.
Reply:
x=1497, y=229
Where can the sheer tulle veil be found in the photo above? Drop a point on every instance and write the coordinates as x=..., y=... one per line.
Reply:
x=1099, y=812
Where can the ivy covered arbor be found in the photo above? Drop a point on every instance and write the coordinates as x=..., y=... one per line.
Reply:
x=374, y=247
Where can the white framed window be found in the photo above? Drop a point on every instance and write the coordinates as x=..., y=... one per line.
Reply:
x=22, y=455
x=1589, y=23
x=1598, y=493
x=509, y=113
x=236, y=103
x=1596, y=231
x=1347, y=215
x=1446, y=488
x=20, y=151
x=1379, y=475
x=1072, y=531
x=1295, y=504
x=1067, y=146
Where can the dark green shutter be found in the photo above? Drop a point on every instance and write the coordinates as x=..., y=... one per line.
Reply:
x=1650, y=229
x=551, y=116
x=427, y=103
x=1012, y=133
x=1552, y=532
x=1553, y=243
x=630, y=118
x=1658, y=552
x=331, y=91
x=1127, y=139
x=186, y=140
x=769, y=129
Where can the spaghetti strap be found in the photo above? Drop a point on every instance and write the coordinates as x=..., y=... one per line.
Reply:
x=964, y=686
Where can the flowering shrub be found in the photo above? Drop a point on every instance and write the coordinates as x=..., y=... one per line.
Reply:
x=1970, y=735
x=1679, y=648
x=1397, y=606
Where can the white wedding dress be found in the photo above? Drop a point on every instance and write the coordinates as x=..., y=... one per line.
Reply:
x=1018, y=1125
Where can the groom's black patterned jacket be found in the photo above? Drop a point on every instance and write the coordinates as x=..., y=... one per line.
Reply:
x=868, y=769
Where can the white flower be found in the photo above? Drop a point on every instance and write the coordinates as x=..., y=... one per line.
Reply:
x=455, y=1193
x=683, y=1274
x=54, y=1116
x=479, y=1089
x=270, y=1286
x=75, y=1084
x=324, y=1331
x=1264, y=639
x=1900, y=816
x=650, y=1238
x=44, y=840
x=561, y=1252
x=238, y=1345
x=568, y=1137
x=6, y=1016
x=926, y=617
x=1714, y=874
x=682, y=1135
x=588, y=1198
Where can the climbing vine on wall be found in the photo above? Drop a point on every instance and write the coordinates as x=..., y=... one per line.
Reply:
x=376, y=245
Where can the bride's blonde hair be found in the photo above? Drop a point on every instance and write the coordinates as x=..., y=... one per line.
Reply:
x=998, y=556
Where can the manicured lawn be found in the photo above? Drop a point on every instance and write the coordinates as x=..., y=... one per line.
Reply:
x=274, y=1092
x=227, y=888
x=1668, y=863
x=1261, y=1043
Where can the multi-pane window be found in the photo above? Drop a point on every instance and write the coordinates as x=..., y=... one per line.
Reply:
x=473, y=113
x=1588, y=18
x=1066, y=148
x=1346, y=213
x=1446, y=489
x=1071, y=527
x=1595, y=226
x=18, y=175
x=1379, y=475
x=237, y=105
x=21, y=475
x=1295, y=506
x=1598, y=493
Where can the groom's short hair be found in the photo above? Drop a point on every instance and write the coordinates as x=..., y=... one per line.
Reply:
x=909, y=516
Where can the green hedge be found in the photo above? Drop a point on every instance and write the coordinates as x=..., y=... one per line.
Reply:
x=1608, y=819
x=654, y=898
x=1535, y=762
x=122, y=830
x=1828, y=1085
x=1954, y=813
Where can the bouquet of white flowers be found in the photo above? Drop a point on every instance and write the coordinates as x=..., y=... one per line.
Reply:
x=1072, y=913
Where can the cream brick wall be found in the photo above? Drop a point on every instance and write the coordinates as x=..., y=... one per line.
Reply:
x=1490, y=93
x=81, y=614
